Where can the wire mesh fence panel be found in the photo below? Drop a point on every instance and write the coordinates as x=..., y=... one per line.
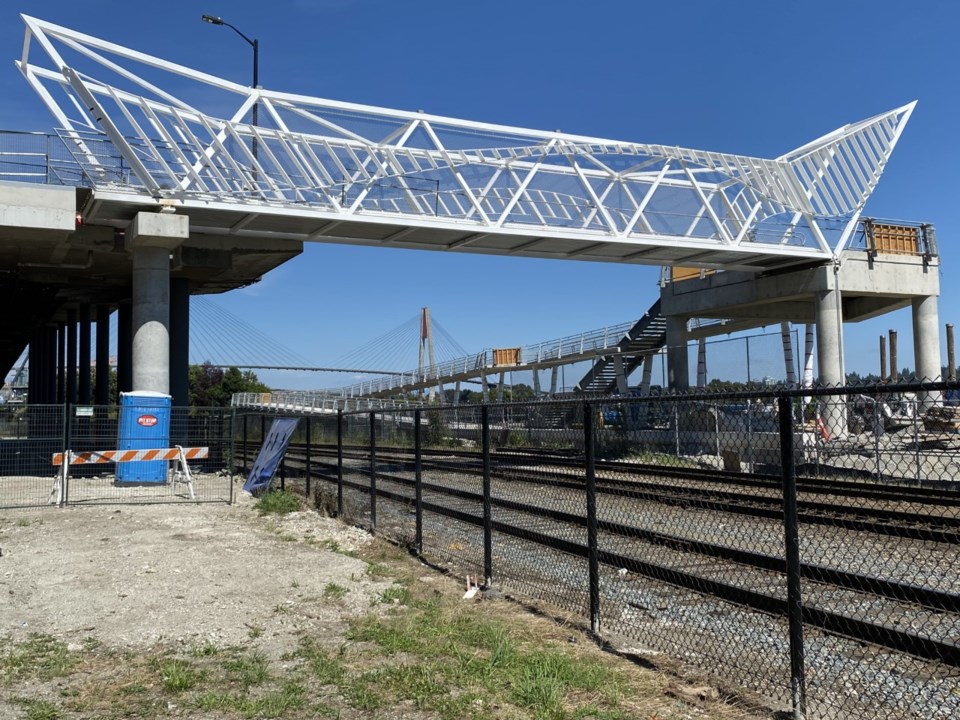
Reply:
x=880, y=544
x=396, y=475
x=100, y=474
x=452, y=488
x=356, y=470
x=538, y=502
x=29, y=437
x=686, y=566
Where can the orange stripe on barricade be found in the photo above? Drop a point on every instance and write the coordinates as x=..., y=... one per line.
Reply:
x=106, y=456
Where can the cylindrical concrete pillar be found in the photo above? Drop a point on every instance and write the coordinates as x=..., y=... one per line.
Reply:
x=180, y=342
x=84, y=364
x=926, y=344
x=103, y=356
x=894, y=366
x=72, y=356
x=829, y=320
x=678, y=362
x=124, y=348
x=151, y=319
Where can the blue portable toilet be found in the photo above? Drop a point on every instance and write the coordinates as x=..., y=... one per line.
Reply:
x=144, y=424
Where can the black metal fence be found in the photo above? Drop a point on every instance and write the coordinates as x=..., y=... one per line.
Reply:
x=32, y=435
x=800, y=544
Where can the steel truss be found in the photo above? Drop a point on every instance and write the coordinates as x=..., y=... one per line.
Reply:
x=477, y=186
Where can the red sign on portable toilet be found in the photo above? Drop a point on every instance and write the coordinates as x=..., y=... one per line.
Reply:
x=147, y=420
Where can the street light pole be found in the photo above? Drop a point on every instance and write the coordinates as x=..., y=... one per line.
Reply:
x=255, y=44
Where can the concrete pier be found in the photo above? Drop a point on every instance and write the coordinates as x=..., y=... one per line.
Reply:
x=151, y=238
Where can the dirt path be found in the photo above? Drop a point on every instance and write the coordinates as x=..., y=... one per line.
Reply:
x=138, y=576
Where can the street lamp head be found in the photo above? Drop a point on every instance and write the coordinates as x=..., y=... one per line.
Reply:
x=212, y=19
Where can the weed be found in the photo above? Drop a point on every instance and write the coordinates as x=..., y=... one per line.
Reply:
x=178, y=675
x=327, y=669
x=281, y=609
x=376, y=569
x=278, y=502
x=207, y=649
x=396, y=594
x=249, y=670
x=255, y=631
x=278, y=703
x=295, y=584
x=38, y=709
x=39, y=656
x=334, y=592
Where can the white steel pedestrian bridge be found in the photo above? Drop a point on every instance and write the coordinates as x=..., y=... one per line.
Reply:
x=149, y=134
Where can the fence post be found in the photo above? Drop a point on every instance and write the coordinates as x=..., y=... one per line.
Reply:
x=418, y=480
x=233, y=446
x=307, y=467
x=67, y=441
x=791, y=525
x=593, y=551
x=487, y=519
x=245, y=418
x=373, y=472
x=339, y=462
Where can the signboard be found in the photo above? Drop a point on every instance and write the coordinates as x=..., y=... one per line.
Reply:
x=84, y=411
x=147, y=420
x=271, y=453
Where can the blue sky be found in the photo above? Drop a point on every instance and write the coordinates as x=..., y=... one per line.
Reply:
x=748, y=77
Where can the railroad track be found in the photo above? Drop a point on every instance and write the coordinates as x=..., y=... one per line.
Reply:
x=904, y=512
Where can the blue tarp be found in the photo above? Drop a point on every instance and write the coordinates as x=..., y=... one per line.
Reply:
x=271, y=453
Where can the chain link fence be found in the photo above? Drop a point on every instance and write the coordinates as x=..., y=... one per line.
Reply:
x=799, y=544
x=31, y=436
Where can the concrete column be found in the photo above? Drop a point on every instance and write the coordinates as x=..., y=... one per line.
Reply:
x=124, y=348
x=646, y=375
x=554, y=373
x=180, y=342
x=536, y=382
x=926, y=344
x=678, y=363
x=484, y=388
x=72, y=357
x=620, y=373
x=103, y=356
x=84, y=365
x=829, y=320
x=151, y=238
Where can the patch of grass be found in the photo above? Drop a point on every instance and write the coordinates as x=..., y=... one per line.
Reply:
x=376, y=570
x=249, y=670
x=278, y=502
x=207, y=649
x=177, y=675
x=462, y=659
x=326, y=668
x=254, y=631
x=332, y=591
x=277, y=703
x=396, y=594
x=40, y=656
x=35, y=709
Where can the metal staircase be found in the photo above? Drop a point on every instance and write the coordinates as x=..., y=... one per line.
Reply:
x=647, y=335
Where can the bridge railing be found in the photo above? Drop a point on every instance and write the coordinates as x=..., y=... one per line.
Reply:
x=587, y=343
x=316, y=402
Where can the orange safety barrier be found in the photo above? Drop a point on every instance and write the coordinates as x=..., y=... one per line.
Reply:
x=113, y=456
